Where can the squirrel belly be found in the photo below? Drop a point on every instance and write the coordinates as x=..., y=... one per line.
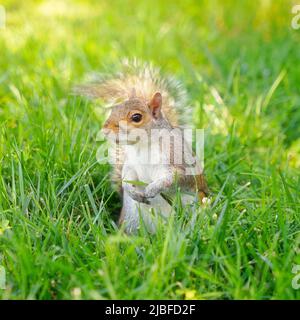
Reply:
x=134, y=211
x=136, y=167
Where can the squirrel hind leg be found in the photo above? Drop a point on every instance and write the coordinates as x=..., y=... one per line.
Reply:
x=204, y=198
x=203, y=191
x=201, y=195
x=121, y=217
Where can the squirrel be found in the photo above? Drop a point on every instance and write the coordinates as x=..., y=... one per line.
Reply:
x=143, y=100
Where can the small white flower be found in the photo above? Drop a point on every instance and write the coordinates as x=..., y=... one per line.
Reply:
x=206, y=200
x=76, y=293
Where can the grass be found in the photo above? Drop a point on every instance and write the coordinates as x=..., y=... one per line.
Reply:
x=58, y=238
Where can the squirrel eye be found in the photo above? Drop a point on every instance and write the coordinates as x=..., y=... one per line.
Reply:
x=137, y=117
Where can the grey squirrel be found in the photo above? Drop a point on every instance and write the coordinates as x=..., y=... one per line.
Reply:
x=142, y=99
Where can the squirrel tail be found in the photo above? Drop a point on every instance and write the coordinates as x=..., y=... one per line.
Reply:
x=144, y=79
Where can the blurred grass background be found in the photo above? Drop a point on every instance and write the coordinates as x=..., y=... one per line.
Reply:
x=239, y=61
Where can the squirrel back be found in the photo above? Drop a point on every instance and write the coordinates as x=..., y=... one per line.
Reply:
x=144, y=80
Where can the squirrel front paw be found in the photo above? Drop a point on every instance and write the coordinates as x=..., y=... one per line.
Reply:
x=137, y=195
x=150, y=192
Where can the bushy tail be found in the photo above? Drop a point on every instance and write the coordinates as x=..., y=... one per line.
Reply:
x=145, y=80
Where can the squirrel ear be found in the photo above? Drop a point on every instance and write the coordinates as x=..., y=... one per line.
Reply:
x=155, y=105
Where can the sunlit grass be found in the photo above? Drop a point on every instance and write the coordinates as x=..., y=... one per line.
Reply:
x=58, y=238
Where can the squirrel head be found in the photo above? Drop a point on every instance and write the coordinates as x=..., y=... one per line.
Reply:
x=134, y=113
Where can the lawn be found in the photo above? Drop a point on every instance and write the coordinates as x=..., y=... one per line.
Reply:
x=239, y=61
